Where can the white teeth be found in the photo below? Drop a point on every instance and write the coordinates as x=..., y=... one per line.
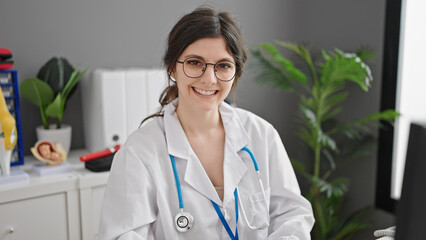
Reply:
x=204, y=92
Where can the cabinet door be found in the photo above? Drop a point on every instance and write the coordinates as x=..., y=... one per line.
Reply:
x=35, y=218
x=91, y=203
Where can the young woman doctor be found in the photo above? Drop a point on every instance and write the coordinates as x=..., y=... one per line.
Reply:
x=202, y=169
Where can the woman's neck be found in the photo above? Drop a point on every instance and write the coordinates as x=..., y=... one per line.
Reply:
x=198, y=122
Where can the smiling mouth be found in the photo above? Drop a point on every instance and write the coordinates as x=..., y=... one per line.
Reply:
x=204, y=92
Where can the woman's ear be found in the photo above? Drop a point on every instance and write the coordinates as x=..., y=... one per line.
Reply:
x=172, y=74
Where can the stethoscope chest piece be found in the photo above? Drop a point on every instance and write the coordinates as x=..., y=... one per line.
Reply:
x=184, y=221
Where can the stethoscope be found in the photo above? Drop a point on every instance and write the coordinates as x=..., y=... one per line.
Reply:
x=184, y=220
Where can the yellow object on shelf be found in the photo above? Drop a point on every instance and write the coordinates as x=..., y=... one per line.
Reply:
x=7, y=135
x=7, y=124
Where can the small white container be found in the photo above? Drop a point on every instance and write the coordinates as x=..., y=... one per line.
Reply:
x=62, y=135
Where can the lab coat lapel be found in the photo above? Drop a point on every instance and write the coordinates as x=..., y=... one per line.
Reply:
x=196, y=176
x=179, y=147
x=234, y=168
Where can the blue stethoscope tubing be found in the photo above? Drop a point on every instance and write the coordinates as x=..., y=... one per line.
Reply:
x=184, y=214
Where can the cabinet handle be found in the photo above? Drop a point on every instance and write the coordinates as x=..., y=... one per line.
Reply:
x=11, y=230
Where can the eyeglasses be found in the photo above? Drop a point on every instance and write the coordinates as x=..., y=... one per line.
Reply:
x=224, y=70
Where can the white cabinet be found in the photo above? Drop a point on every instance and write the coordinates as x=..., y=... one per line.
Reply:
x=35, y=218
x=62, y=206
x=92, y=189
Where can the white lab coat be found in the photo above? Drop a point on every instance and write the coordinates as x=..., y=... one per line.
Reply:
x=141, y=199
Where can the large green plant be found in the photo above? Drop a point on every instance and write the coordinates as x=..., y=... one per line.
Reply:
x=50, y=90
x=321, y=91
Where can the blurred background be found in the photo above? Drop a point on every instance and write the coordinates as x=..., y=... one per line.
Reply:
x=132, y=33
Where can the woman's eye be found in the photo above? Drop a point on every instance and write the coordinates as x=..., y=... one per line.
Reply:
x=193, y=62
x=224, y=65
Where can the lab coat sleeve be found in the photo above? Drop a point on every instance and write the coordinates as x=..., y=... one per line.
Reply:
x=128, y=207
x=291, y=215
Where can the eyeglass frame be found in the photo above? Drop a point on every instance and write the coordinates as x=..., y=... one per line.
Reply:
x=205, y=68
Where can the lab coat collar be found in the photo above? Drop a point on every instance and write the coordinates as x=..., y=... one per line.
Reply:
x=177, y=143
x=195, y=175
x=234, y=129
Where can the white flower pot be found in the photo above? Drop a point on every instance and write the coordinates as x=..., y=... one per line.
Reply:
x=62, y=135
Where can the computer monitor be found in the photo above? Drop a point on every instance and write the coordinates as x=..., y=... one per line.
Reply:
x=411, y=208
x=403, y=89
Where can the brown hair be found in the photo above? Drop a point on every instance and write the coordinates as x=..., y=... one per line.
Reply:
x=201, y=23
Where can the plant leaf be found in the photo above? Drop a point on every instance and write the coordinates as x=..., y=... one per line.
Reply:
x=349, y=229
x=340, y=67
x=316, y=134
x=285, y=65
x=335, y=188
x=330, y=158
x=357, y=148
x=289, y=73
x=327, y=141
x=54, y=108
x=348, y=129
x=388, y=115
x=299, y=49
x=36, y=91
x=365, y=53
x=330, y=105
x=268, y=73
x=56, y=72
x=306, y=136
x=303, y=52
x=73, y=81
x=326, y=215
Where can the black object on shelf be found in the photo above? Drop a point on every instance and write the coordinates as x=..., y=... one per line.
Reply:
x=100, y=164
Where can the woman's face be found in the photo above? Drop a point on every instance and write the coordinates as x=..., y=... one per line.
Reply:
x=204, y=93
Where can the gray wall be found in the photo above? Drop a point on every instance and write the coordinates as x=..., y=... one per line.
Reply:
x=131, y=33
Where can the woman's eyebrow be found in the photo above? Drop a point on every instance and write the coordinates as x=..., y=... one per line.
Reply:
x=193, y=56
x=226, y=59
x=200, y=57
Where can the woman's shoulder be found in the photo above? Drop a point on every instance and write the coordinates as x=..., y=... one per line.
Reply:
x=148, y=136
x=254, y=125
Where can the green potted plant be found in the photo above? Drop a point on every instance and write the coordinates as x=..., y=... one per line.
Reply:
x=50, y=90
x=321, y=91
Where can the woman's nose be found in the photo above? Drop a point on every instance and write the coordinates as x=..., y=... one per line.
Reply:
x=209, y=76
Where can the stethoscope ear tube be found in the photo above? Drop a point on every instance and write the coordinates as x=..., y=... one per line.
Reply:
x=256, y=167
x=266, y=224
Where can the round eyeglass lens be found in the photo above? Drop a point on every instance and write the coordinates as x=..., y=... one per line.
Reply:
x=193, y=67
x=225, y=70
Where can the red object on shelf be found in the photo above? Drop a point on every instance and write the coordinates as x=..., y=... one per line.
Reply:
x=6, y=61
x=100, y=154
